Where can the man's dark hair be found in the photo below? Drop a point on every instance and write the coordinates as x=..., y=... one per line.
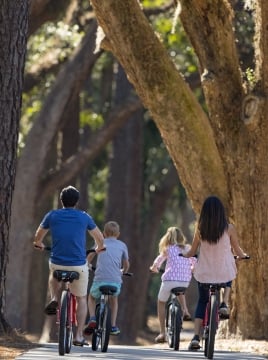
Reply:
x=69, y=196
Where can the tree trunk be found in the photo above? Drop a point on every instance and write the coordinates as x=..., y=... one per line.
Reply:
x=222, y=153
x=13, y=35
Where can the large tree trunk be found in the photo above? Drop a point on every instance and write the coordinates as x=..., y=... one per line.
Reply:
x=224, y=153
x=13, y=35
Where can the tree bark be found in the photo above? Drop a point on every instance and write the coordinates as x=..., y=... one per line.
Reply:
x=13, y=35
x=222, y=153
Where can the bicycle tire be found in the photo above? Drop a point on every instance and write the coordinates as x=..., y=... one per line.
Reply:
x=105, y=319
x=63, y=321
x=96, y=333
x=69, y=325
x=212, y=327
x=169, y=325
x=177, y=325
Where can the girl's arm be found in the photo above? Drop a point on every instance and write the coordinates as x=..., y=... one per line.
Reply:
x=234, y=241
x=158, y=262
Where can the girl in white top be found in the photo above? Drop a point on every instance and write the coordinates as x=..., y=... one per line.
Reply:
x=216, y=240
x=178, y=272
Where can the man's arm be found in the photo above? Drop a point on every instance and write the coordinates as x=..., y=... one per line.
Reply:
x=98, y=237
x=39, y=236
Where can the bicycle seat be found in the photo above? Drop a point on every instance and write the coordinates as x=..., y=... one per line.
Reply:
x=107, y=289
x=65, y=276
x=217, y=286
x=178, y=290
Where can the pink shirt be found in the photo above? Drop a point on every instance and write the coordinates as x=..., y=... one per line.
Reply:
x=177, y=267
x=216, y=262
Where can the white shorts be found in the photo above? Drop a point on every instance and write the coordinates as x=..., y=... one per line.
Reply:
x=77, y=287
x=167, y=286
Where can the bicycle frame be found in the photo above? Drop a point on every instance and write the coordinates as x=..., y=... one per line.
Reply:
x=71, y=308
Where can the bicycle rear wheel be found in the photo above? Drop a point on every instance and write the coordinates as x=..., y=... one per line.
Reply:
x=105, y=319
x=212, y=327
x=63, y=322
x=71, y=308
x=177, y=325
x=169, y=325
x=96, y=333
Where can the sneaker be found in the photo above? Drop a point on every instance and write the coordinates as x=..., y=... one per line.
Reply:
x=160, y=338
x=223, y=310
x=195, y=343
x=115, y=330
x=88, y=330
x=51, y=308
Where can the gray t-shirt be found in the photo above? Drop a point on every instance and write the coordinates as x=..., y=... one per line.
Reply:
x=109, y=262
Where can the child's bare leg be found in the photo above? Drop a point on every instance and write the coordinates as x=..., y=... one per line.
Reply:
x=114, y=309
x=182, y=301
x=226, y=295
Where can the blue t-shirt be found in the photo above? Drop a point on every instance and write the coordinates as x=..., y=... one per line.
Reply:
x=68, y=228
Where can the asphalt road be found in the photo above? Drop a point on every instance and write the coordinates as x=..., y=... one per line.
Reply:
x=119, y=352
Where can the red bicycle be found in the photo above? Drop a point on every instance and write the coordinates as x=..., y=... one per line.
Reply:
x=212, y=318
x=66, y=313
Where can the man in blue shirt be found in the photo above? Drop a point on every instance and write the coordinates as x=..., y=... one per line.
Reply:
x=68, y=227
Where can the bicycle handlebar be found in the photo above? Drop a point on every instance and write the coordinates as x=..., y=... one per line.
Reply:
x=236, y=257
x=48, y=248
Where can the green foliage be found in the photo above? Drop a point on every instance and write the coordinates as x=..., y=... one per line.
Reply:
x=51, y=42
x=152, y=3
x=91, y=119
x=177, y=43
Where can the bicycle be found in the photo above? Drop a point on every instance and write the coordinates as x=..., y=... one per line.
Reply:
x=101, y=335
x=174, y=316
x=212, y=316
x=66, y=312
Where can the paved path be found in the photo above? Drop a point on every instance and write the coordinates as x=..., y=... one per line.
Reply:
x=119, y=352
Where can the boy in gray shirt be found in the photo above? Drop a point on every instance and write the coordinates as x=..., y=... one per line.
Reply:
x=109, y=268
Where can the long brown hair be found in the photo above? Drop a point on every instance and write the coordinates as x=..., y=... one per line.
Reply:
x=212, y=222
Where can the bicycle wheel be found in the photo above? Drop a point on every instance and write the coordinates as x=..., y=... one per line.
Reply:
x=96, y=333
x=177, y=325
x=105, y=319
x=63, y=322
x=212, y=327
x=169, y=325
x=69, y=326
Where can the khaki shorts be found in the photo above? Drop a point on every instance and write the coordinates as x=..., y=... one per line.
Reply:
x=77, y=287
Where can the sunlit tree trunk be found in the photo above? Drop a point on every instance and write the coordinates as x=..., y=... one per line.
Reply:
x=223, y=152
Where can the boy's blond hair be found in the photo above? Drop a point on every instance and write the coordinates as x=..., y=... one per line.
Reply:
x=111, y=228
x=173, y=236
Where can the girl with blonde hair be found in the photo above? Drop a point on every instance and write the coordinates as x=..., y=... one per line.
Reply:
x=178, y=273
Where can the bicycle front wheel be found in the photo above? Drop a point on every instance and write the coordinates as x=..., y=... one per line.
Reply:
x=212, y=327
x=169, y=325
x=105, y=319
x=96, y=333
x=63, y=322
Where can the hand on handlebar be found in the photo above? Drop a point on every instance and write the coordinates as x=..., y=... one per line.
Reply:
x=39, y=247
x=245, y=257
